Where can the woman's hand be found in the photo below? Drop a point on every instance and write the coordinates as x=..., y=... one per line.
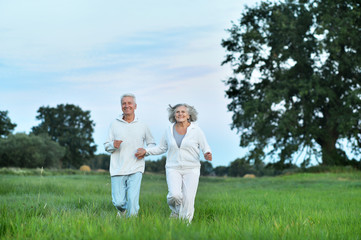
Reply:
x=140, y=153
x=208, y=156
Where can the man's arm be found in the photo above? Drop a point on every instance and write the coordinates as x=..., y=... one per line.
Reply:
x=110, y=145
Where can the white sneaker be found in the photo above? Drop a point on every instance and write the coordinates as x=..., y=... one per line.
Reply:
x=121, y=214
x=173, y=215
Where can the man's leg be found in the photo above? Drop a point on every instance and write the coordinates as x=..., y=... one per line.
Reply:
x=133, y=183
x=119, y=192
x=174, y=197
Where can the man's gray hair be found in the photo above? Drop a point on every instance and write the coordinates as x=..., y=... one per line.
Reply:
x=128, y=95
x=192, y=112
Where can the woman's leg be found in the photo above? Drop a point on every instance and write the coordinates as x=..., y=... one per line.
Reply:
x=189, y=190
x=174, y=197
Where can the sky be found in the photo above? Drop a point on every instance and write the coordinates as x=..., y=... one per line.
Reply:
x=90, y=52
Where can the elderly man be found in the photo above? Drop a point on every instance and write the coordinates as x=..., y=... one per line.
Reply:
x=126, y=135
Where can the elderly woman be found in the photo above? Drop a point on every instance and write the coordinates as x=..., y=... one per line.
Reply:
x=183, y=140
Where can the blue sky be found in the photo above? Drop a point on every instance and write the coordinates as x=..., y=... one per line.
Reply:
x=89, y=53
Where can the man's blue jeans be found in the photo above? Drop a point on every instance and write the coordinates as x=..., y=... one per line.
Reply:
x=125, y=192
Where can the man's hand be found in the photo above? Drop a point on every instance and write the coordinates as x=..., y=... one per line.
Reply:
x=117, y=143
x=140, y=153
x=208, y=156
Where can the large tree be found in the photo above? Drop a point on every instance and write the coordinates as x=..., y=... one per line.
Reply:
x=6, y=126
x=72, y=128
x=296, y=83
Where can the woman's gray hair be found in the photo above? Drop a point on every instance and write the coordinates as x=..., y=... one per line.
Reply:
x=192, y=112
x=128, y=95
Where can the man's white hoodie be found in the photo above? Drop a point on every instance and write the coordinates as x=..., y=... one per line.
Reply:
x=134, y=135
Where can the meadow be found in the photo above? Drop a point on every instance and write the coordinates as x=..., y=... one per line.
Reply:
x=78, y=206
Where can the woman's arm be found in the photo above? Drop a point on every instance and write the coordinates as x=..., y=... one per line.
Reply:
x=159, y=149
x=203, y=144
x=154, y=150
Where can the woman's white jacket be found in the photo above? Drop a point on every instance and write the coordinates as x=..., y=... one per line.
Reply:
x=188, y=154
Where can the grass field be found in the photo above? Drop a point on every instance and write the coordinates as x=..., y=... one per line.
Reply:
x=300, y=206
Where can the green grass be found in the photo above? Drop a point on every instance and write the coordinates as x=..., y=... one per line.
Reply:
x=300, y=206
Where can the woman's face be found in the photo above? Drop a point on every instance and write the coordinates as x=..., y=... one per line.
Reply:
x=181, y=114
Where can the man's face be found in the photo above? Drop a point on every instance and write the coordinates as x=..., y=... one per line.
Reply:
x=128, y=105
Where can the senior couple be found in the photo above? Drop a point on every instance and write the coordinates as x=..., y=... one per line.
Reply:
x=183, y=140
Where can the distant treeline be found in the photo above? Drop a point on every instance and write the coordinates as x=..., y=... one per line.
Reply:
x=40, y=151
x=30, y=151
x=63, y=140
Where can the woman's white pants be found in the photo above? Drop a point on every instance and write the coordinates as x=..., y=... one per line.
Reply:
x=182, y=189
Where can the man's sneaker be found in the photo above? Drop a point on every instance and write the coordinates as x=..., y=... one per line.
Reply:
x=121, y=214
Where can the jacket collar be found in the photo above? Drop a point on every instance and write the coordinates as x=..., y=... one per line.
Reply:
x=120, y=118
x=193, y=125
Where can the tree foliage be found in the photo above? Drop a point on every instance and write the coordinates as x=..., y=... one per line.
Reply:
x=30, y=151
x=239, y=167
x=297, y=78
x=221, y=171
x=72, y=128
x=6, y=126
x=100, y=161
x=156, y=166
x=206, y=168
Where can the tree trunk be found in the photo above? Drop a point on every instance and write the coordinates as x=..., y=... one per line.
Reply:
x=332, y=156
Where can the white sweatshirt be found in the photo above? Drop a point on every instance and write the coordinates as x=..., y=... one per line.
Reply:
x=133, y=135
x=188, y=154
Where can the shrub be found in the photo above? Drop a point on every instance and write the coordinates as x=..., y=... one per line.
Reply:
x=30, y=151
